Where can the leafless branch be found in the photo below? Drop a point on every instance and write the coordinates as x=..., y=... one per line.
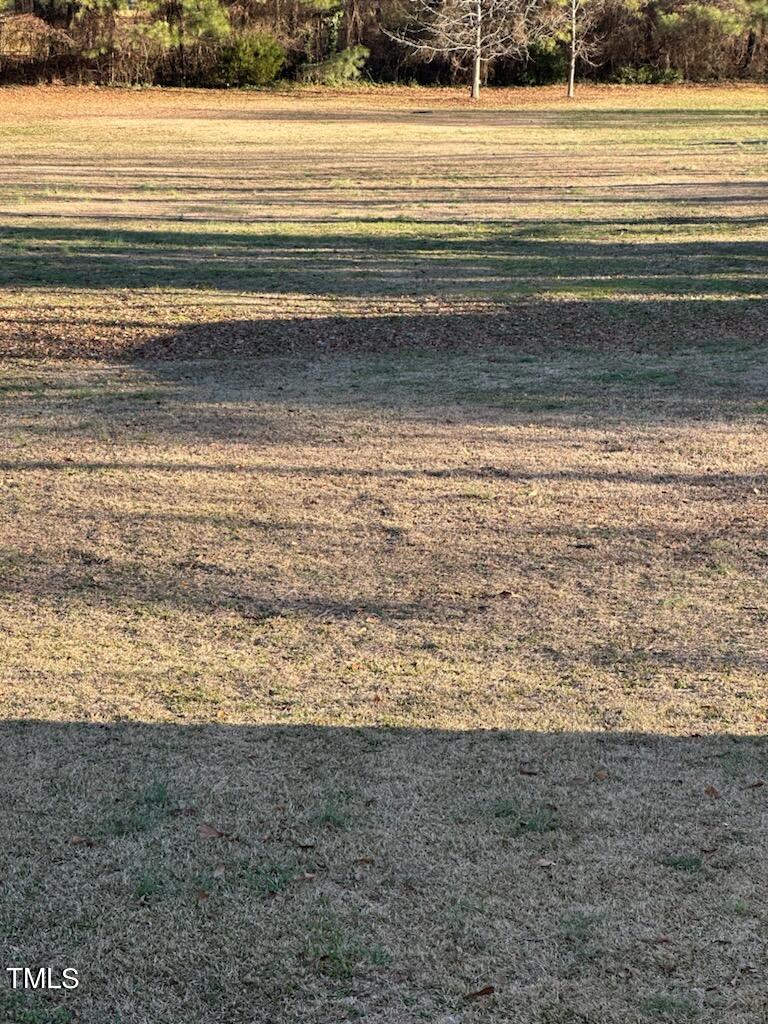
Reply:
x=506, y=27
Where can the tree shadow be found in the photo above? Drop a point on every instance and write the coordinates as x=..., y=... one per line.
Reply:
x=436, y=591
x=278, y=872
x=598, y=325
x=700, y=332
x=505, y=263
x=434, y=114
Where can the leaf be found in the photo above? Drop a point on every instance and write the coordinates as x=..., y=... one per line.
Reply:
x=206, y=831
x=711, y=791
x=82, y=841
x=183, y=812
x=202, y=895
x=528, y=769
x=487, y=990
x=756, y=785
x=308, y=876
x=542, y=862
x=601, y=775
x=365, y=860
x=219, y=871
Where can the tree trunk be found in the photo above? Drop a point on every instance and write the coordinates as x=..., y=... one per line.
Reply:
x=750, y=51
x=572, y=69
x=475, y=94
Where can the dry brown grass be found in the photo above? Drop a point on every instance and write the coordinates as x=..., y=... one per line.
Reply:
x=131, y=218
x=443, y=596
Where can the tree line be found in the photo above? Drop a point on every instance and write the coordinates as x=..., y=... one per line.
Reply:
x=241, y=43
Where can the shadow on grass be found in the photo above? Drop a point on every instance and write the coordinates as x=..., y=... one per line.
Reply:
x=425, y=115
x=538, y=327
x=265, y=873
x=694, y=333
x=715, y=480
x=194, y=200
x=442, y=593
x=387, y=263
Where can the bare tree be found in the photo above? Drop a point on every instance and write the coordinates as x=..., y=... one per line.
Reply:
x=574, y=43
x=582, y=17
x=475, y=31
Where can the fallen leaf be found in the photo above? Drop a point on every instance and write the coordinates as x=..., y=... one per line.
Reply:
x=487, y=990
x=528, y=769
x=308, y=876
x=756, y=785
x=365, y=860
x=708, y=849
x=202, y=895
x=305, y=844
x=219, y=871
x=662, y=940
x=601, y=775
x=206, y=831
x=711, y=791
x=82, y=841
x=183, y=812
x=542, y=862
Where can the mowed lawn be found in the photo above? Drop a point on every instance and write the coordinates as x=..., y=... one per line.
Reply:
x=383, y=556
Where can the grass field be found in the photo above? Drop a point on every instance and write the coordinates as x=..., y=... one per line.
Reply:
x=383, y=556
